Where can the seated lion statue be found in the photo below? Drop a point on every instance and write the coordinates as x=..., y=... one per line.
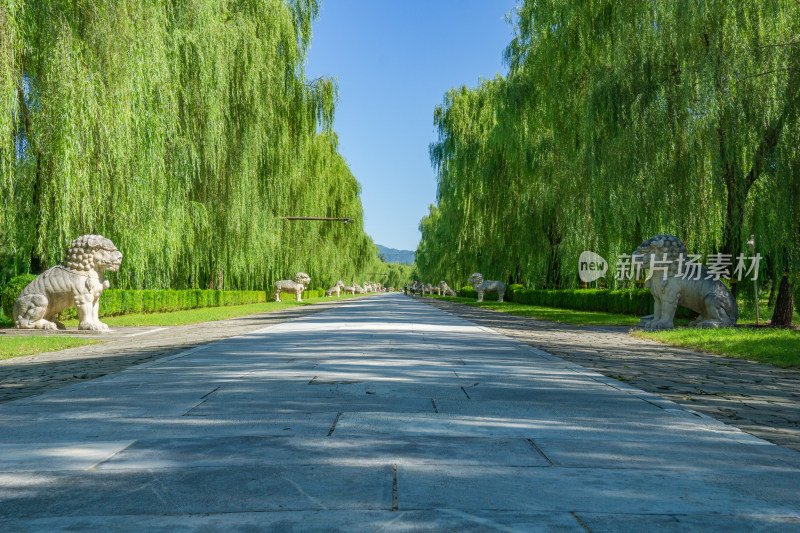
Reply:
x=79, y=280
x=710, y=298
x=481, y=285
x=296, y=287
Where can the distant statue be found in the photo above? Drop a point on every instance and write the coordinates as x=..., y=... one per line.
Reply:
x=445, y=290
x=349, y=289
x=481, y=286
x=430, y=289
x=296, y=287
x=336, y=289
x=78, y=281
x=710, y=298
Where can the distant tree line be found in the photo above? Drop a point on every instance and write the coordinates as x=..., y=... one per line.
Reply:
x=618, y=121
x=182, y=131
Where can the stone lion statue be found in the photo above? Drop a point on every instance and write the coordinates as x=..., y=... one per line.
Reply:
x=710, y=298
x=296, y=287
x=79, y=280
x=445, y=289
x=481, y=285
x=336, y=289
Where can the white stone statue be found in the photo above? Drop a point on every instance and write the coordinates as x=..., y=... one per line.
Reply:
x=481, y=285
x=445, y=290
x=358, y=289
x=367, y=286
x=349, y=289
x=428, y=288
x=296, y=287
x=710, y=298
x=78, y=281
x=336, y=289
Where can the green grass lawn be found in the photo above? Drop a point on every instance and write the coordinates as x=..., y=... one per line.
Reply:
x=555, y=314
x=13, y=346
x=780, y=347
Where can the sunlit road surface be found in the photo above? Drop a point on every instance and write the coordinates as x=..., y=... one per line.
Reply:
x=381, y=414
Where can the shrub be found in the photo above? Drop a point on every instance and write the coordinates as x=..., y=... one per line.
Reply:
x=467, y=292
x=629, y=302
x=511, y=290
x=11, y=290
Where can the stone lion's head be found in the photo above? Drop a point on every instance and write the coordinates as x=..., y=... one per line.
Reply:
x=302, y=277
x=442, y=283
x=92, y=252
x=339, y=284
x=654, y=248
x=476, y=279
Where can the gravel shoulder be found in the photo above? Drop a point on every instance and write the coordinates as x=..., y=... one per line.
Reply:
x=760, y=399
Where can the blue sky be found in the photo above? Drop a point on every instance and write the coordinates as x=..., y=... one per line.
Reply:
x=394, y=61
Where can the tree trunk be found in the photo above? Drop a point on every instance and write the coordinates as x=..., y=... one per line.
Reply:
x=734, y=217
x=784, y=306
x=773, y=286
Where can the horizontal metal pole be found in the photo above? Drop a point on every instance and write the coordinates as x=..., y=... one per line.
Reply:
x=345, y=220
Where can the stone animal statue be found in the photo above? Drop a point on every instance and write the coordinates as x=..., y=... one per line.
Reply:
x=296, y=286
x=336, y=289
x=710, y=298
x=428, y=288
x=445, y=290
x=358, y=289
x=367, y=286
x=481, y=285
x=78, y=281
x=349, y=289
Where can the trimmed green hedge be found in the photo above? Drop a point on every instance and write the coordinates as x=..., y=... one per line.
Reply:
x=313, y=293
x=116, y=302
x=637, y=302
x=630, y=302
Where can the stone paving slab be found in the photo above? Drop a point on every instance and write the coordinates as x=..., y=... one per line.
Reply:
x=123, y=347
x=758, y=398
x=313, y=521
x=379, y=414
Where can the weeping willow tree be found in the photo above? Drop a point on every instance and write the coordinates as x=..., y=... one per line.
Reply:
x=618, y=121
x=182, y=130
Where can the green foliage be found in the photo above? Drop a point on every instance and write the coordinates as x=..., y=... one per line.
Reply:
x=512, y=290
x=618, y=121
x=12, y=346
x=182, y=131
x=780, y=347
x=116, y=302
x=11, y=290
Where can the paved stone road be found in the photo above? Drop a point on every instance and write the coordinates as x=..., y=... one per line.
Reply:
x=380, y=414
x=761, y=399
x=124, y=347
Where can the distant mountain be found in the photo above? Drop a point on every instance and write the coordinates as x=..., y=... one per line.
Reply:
x=392, y=255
